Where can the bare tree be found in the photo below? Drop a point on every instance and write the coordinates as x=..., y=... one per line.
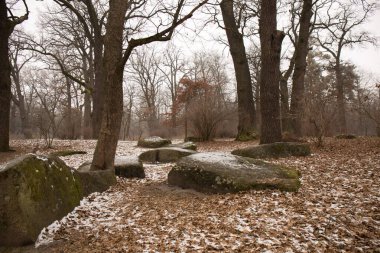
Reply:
x=92, y=15
x=339, y=23
x=148, y=77
x=300, y=54
x=173, y=69
x=8, y=22
x=271, y=40
x=115, y=59
x=49, y=89
x=18, y=60
x=246, y=107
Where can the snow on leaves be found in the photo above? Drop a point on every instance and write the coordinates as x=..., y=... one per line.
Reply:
x=336, y=210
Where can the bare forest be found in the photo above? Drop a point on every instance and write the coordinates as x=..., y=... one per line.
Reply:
x=189, y=126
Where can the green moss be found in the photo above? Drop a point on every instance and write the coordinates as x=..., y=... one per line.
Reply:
x=68, y=152
x=274, y=150
x=346, y=136
x=247, y=136
x=285, y=179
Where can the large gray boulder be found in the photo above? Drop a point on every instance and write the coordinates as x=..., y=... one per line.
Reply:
x=165, y=155
x=185, y=145
x=153, y=142
x=35, y=191
x=274, y=150
x=129, y=167
x=95, y=180
x=225, y=173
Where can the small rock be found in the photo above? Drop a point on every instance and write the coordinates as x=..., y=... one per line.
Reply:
x=165, y=155
x=185, y=145
x=95, y=180
x=153, y=142
x=129, y=167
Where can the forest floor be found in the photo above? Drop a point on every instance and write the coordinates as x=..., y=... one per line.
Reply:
x=337, y=208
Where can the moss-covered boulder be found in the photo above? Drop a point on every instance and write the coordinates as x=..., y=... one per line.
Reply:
x=226, y=173
x=95, y=180
x=193, y=139
x=185, y=145
x=165, y=155
x=249, y=136
x=35, y=191
x=346, y=136
x=153, y=142
x=68, y=152
x=274, y=150
x=129, y=167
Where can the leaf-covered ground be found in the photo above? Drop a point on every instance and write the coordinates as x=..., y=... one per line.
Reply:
x=336, y=210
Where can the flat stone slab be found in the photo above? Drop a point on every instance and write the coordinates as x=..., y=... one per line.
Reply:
x=68, y=152
x=129, y=167
x=185, y=145
x=226, y=173
x=274, y=150
x=153, y=142
x=165, y=155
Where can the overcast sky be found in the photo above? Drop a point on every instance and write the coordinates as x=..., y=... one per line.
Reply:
x=367, y=57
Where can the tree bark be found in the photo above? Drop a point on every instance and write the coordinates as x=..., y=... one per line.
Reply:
x=69, y=119
x=89, y=79
x=113, y=72
x=270, y=40
x=342, y=126
x=99, y=90
x=301, y=51
x=246, y=106
x=5, y=77
x=19, y=101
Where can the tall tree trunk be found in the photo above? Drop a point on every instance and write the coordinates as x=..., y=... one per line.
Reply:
x=69, y=119
x=270, y=40
x=302, y=49
x=89, y=78
x=99, y=89
x=342, y=126
x=113, y=72
x=87, y=127
x=5, y=78
x=284, y=102
x=246, y=107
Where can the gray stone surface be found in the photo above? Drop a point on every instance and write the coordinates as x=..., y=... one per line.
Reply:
x=165, y=155
x=274, y=150
x=35, y=191
x=185, y=145
x=153, y=142
x=129, y=167
x=95, y=180
x=225, y=173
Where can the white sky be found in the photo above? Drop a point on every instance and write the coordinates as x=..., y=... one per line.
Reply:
x=367, y=57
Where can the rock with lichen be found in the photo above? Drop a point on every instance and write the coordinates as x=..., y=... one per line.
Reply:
x=35, y=191
x=165, y=155
x=226, y=173
x=274, y=150
x=153, y=142
x=185, y=145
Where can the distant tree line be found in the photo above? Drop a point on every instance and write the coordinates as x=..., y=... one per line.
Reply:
x=91, y=74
